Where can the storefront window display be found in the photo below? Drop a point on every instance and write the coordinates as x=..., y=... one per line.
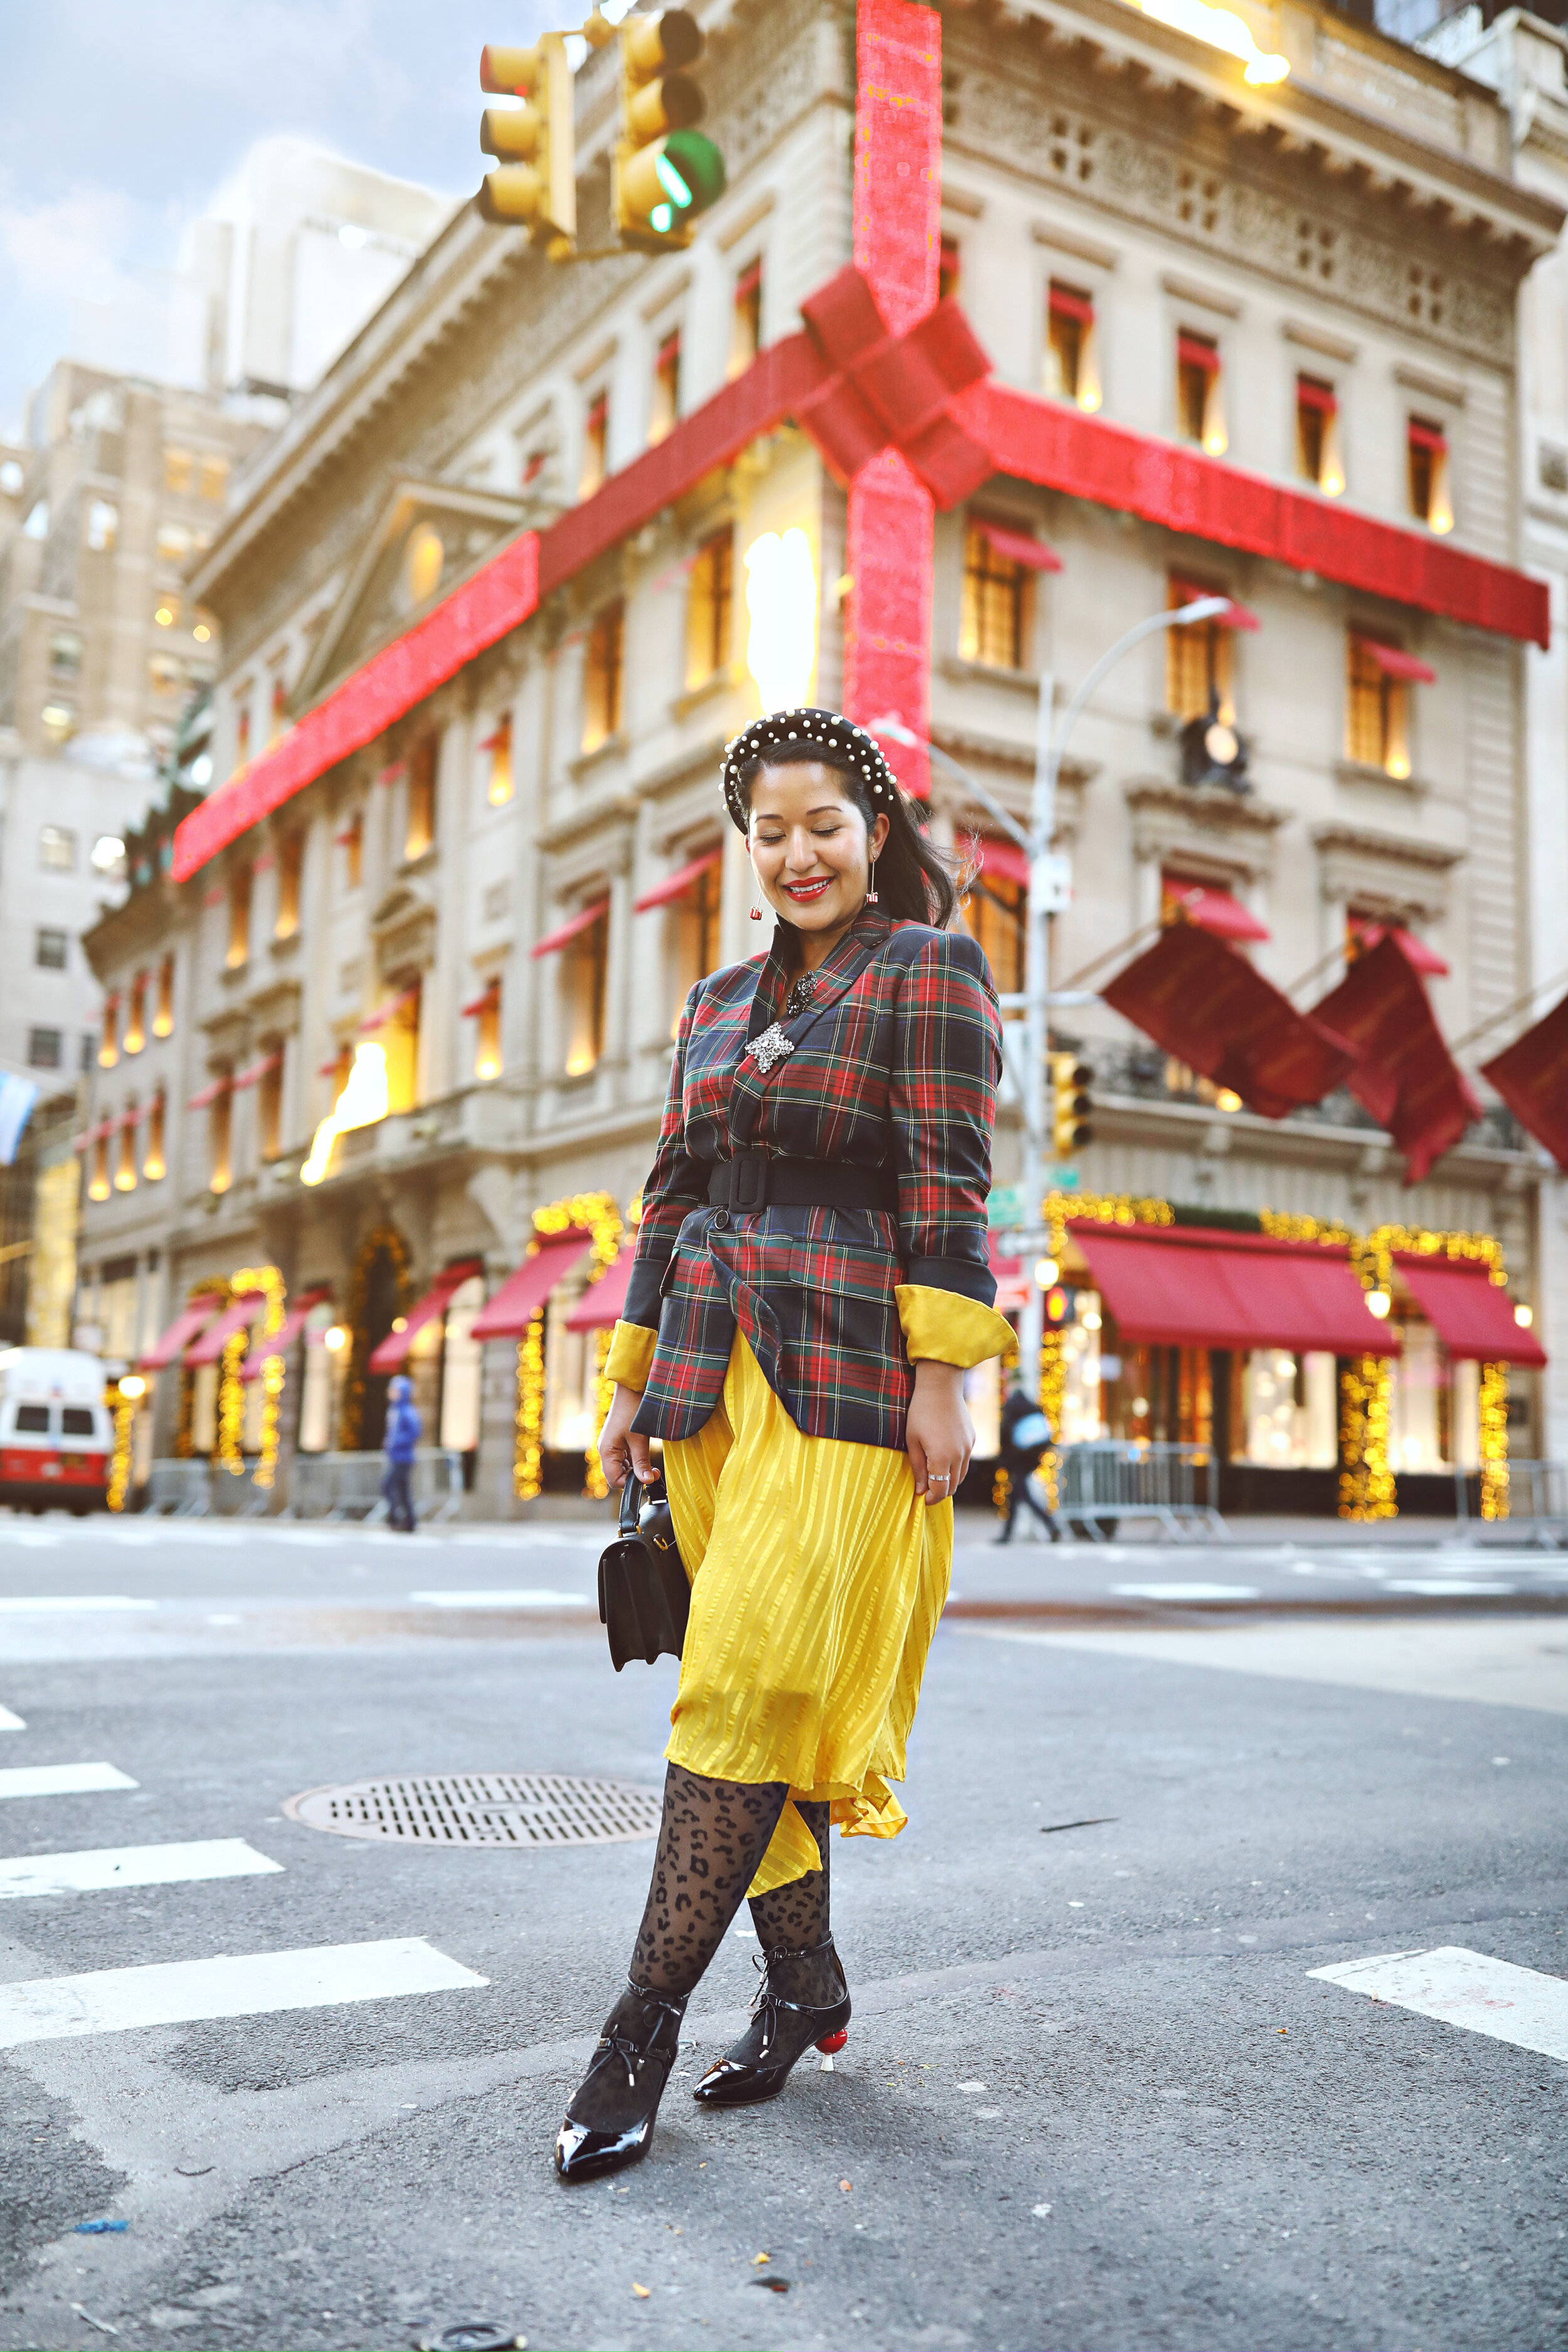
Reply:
x=1289, y=1411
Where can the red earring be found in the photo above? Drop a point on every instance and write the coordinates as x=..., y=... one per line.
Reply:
x=756, y=914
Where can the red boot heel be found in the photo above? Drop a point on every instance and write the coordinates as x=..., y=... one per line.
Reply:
x=831, y=2043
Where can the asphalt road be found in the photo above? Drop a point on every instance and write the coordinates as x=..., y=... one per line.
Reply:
x=1093, y=2095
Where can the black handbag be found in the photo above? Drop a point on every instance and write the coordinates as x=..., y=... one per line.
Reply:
x=644, y=1596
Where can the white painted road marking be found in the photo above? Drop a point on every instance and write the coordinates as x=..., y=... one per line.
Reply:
x=9, y=1722
x=131, y=1865
x=1468, y=1989
x=61, y=1780
x=1186, y=1591
x=179, y=1992
x=1445, y=1588
x=531, y=1599
x=53, y=1605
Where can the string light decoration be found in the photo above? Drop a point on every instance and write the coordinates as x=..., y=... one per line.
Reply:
x=1474, y=1249
x=124, y=1411
x=1366, y=1482
x=1494, y=1441
x=1096, y=1208
x=1001, y=1483
x=385, y=1240
x=230, y=1449
x=215, y=1286
x=597, y=1215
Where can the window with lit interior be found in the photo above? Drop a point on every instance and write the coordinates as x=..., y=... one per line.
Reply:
x=1200, y=406
x=995, y=611
x=709, y=609
x=602, y=675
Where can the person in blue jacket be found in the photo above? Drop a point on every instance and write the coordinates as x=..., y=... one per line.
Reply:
x=403, y=1432
x=1026, y=1434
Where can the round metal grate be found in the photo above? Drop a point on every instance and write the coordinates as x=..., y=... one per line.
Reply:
x=483, y=1808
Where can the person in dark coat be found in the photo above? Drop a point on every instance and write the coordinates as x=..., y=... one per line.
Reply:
x=1026, y=1434
x=403, y=1427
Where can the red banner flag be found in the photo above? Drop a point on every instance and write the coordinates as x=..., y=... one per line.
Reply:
x=1207, y=1006
x=1405, y=1075
x=1531, y=1075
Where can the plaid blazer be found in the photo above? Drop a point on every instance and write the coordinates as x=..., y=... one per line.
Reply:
x=897, y=1056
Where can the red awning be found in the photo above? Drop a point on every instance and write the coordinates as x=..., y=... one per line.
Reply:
x=1003, y=860
x=1531, y=1075
x=1403, y=1075
x=1474, y=1315
x=1428, y=437
x=490, y=994
x=1212, y=1010
x=1214, y=910
x=523, y=1294
x=258, y=1071
x=387, y=1012
x=1395, y=663
x=674, y=886
x=581, y=921
x=177, y=1337
x=206, y=1096
x=601, y=1304
x=1011, y=1275
x=1193, y=351
x=1417, y=951
x=235, y=1315
x=389, y=1356
x=278, y=1342
x=1022, y=547
x=1182, y=1286
x=1315, y=396
x=1235, y=615
x=1065, y=304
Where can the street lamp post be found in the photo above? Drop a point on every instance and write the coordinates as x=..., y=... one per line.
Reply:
x=1048, y=894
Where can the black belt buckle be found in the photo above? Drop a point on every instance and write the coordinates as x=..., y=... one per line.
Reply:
x=748, y=1181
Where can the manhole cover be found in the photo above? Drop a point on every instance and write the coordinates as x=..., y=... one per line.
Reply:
x=483, y=1808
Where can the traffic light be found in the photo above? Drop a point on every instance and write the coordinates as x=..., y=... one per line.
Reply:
x=1212, y=750
x=534, y=185
x=1071, y=1105
x=666, y=171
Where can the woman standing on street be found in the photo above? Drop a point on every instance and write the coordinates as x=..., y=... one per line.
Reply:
x=811, y=1284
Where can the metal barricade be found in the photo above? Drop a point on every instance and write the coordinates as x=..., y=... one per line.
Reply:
x=348, y=1486
x=1107, y=1481
x=180, y=1488
x=1537, y=1507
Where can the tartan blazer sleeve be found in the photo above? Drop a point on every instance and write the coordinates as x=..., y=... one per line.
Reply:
x=946, y=1067
x=677, y=1184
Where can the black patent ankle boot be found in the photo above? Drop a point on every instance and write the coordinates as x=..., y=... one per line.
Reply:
x=804, y=1998
x=610, y=2119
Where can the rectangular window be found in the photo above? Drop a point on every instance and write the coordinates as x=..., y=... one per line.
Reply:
x=350, y=841
x=602, y=677
x=277, y=712
x=696, y=913
x=220, y=1139
x=163, y=1018
x=1072, y=371
x=707, y=609
x=214, y=474
x=136, y=1015
x=1317, y=436
x=420, y=829
x=497, y=745
x=1427, y=474
x=290, y=865
x=45, y=1048
x=178, y=469
x=1200, y=410
x=666, y=388
x=746, y=320
x=596, y=445
x=1376, y=711
x=102, y=527
x=585, y=962
x=109, y=1040
x=154, y=1165
x=399, y=1041
x=997, y=910
x=995, y=617
x=949, y=269
x=57, y=850
x=64, y=653
x=269, y=1106
x=487, y=1034
x=237, y=950
x=242, y=736
x=49, y=950
x=125, y=1159
x=98, y=1183
x=1198, y=661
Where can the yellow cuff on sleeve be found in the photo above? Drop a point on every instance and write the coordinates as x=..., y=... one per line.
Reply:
x=631, y=1353
x=948, y=1329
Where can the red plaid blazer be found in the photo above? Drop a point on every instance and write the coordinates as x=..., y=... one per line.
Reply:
x=896, y=1062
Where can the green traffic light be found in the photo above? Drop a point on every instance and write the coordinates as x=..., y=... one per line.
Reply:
x=691, y=170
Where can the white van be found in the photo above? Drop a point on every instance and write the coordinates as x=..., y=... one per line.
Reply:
x=56, y=1434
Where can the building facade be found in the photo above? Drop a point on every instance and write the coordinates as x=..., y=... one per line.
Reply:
x=422, y=966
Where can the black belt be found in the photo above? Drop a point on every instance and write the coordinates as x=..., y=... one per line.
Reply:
x=755, y=1179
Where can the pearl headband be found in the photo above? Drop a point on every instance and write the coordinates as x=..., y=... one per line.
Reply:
x=857, y=751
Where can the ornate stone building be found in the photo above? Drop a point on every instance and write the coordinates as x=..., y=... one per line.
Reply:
x=497, y=593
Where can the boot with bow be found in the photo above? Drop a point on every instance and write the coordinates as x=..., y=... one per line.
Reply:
x=804, y=1998
x=609, y=2122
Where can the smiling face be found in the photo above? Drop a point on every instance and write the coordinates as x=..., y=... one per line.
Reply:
x=812, y=848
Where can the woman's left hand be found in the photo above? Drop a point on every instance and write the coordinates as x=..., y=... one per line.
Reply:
x=939, y=1437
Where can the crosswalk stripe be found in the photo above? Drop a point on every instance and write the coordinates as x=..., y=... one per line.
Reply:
x=131, y=1865
x=61, y=1780
x=1468, y=1989
x=54, y=1604
x=179, y=1992
x=9, y=1722
x=533, y=1598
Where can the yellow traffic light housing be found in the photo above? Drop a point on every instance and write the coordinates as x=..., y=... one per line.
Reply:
x=1071, y=1105
x=666, y=171
x=534, y=185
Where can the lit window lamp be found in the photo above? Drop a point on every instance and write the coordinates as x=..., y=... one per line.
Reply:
x=136, y=1016
x=1427, y=467
x=153, y=1164
x=98, y=1187
x=1317, y=436
x=498, y=744
x=163, y=1018
x=125, y=1167
x=1072, y=370
x=109, y=1045
x=485, y=1010
x=1200, y=407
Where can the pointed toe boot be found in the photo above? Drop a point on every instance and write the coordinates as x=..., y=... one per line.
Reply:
x=804, y=1998
x=610, y=2119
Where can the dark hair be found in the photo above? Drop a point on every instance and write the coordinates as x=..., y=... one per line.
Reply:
x=913, y=881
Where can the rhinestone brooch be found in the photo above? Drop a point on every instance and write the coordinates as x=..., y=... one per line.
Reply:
x=771, y=1048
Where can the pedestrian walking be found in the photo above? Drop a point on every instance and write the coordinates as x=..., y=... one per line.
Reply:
x=811, y=1283
x=402, y=1431
x=1026, y=1434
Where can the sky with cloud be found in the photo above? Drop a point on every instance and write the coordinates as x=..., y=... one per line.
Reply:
x=119, y=119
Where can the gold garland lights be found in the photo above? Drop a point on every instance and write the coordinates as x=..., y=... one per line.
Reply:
x=124, y=1411
x=1101, y=1209
x=231, y=1389
x=597, y=1215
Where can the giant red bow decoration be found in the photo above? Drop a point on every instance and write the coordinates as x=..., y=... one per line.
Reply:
x=1405, y=1075
x=1531, y=1075
x=893, y=391
x=1216, y=1011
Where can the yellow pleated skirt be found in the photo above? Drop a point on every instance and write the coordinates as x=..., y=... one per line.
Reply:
x=817, y=1582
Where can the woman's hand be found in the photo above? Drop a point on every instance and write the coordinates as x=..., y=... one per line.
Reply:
x=622, y=1447
x=939, y=1437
